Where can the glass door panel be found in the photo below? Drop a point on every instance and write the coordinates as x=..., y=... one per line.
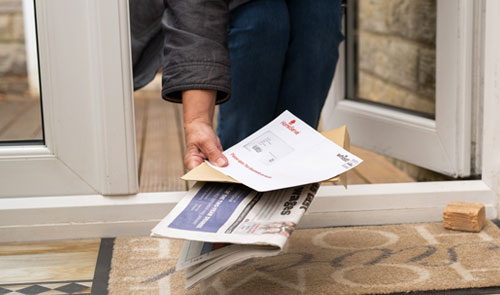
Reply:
x=20, y=100
x=391, y=51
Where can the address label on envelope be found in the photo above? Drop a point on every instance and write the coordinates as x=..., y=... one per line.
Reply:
x=269, y=148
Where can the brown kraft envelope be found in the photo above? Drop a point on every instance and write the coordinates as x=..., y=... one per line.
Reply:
x=204, y=172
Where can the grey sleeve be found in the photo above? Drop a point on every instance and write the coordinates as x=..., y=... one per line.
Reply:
x=195, y=49
x=146, y=39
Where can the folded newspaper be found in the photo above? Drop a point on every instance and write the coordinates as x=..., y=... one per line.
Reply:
x=224, y=223
x=227, y=223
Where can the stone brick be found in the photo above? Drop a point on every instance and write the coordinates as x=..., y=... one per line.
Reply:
x=377, y=90
x=5, y=27
x=12, y=60
x=18, y=27
x=392, y=59
x=372, y=15
x=427, y=71
x=412, y=19
x=370, y=52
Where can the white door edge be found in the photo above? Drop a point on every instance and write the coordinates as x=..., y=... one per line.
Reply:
x=446, y=147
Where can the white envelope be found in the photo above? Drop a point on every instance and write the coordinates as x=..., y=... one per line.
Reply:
x=286, y=152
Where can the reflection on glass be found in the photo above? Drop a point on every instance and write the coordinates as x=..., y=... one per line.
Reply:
x=20, y=103
x=391, y=52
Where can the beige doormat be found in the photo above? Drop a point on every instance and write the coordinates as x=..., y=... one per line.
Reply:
x=351, y=260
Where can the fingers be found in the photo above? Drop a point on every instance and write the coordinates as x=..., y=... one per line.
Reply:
x=201, y=144
x=193, y=157
x=192, y=163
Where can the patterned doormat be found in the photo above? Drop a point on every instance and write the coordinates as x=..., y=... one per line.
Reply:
x=349, y=260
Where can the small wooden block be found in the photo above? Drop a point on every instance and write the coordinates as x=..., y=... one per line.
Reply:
x=464, y=216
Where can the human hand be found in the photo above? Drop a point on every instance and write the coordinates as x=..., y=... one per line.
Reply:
x=202, y=144
x=201, y=141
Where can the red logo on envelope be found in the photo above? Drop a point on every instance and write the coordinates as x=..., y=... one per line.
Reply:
x=290, y=127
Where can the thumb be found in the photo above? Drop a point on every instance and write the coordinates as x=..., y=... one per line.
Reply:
x=214, y=154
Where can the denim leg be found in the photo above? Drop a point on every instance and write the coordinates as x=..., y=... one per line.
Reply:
x=258, y=40
x=311, y=58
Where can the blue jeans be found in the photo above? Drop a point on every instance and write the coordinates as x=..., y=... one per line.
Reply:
x=283, y=57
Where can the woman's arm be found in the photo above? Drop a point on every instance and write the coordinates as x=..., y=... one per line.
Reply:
x=201, y=141
x=196, y=71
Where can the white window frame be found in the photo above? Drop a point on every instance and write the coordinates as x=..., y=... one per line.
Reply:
x=444, y=143
x=95, y=215
x=87, y=106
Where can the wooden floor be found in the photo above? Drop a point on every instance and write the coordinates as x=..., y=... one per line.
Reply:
x=160, y=144
x=67, y=267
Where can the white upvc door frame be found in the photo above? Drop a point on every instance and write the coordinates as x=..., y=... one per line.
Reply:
x=96, y=215
x=88, y=117
x=444, y=143
x=491, y=98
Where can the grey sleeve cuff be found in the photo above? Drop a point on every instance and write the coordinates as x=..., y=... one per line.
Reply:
x=195, y=49
x=196, y=75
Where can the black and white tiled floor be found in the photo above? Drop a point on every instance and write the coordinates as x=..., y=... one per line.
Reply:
x=96, y=286
x=48, y=288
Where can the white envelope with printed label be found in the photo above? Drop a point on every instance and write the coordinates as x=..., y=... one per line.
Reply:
x=286, y=152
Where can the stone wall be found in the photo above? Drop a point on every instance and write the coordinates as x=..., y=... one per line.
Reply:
x=396, y=53
x=13, y=70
